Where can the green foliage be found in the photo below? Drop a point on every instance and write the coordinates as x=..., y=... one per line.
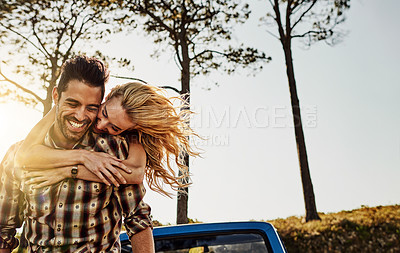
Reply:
x=198, y=32
x=368, y=229
x=309, y=20
x=41, y=35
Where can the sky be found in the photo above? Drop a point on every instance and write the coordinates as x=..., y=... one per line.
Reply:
x=249, y=167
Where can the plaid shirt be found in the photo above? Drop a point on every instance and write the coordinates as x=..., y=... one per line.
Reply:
x=73, y=215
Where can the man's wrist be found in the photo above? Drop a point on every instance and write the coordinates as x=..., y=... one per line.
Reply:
x=82, y=156
x=74, y=172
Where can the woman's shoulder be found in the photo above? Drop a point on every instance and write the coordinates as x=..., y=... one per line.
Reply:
x=131, y=136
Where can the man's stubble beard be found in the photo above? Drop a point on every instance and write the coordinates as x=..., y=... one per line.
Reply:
x=61, y=123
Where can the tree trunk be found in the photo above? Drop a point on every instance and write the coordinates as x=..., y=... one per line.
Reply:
x=183, y=197
x=47, y=103
x=308, y=191
x=183, y=194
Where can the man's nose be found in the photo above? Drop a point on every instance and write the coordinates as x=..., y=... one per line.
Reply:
x=80, y=114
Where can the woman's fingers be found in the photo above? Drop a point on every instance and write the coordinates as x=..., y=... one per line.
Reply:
x=109, y=176
x=121, y=166
x=116, y=173
x=102, y=178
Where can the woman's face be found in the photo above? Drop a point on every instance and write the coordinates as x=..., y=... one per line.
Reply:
x=112, y=118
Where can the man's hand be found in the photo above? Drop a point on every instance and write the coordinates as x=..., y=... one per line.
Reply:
x=42, y=178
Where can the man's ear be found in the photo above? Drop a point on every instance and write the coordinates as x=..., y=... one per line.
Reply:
x=55, y=95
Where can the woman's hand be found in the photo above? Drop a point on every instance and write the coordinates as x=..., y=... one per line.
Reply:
x=42, y=178
x=103, y=166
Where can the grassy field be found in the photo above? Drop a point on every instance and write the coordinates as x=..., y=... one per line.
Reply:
x=367, y=229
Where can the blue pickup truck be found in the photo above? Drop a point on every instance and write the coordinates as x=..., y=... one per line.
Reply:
x=234, y=237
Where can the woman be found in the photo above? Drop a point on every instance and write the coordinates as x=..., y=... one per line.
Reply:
x=135, y=111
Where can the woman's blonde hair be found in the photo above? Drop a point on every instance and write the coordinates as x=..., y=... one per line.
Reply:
x=163, y=130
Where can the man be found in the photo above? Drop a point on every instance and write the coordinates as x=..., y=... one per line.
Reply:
x=73, y=215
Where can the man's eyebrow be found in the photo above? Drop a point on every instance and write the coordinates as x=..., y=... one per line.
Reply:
x=72, y=100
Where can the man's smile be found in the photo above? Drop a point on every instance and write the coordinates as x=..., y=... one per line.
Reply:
x=76, y=126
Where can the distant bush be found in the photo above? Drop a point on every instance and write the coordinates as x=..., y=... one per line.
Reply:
x=368, y=229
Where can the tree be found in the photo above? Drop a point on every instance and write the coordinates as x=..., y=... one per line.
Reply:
x=312, y=21
x=196, y=31
x=40, y=36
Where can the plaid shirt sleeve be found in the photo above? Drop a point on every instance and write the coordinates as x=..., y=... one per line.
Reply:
x=136, y=213
x=11, y=201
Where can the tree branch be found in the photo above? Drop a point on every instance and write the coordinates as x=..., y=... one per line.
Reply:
x=129, y=78
x=21, y=87
x=37, y=37
x=288, y=13
x=273, y=35
x=279, y=21
x=305, y=34
x=158, y=20
x=171, y=88
x=304, y=13
x=25, y=38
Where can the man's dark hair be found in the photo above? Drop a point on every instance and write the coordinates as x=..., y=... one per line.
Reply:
x=85, y=69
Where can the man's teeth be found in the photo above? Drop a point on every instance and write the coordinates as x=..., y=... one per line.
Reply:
x=76, y=125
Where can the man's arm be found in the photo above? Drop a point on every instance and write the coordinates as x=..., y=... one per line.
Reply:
x=143, y=242
x=11, y=202
x=137, y=215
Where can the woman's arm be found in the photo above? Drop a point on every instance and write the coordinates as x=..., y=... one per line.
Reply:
x=136, y=162
x=135, y=165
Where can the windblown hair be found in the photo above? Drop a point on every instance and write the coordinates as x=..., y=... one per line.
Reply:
x=163, y=130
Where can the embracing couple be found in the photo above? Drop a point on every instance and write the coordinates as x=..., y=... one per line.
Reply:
x=77, y=177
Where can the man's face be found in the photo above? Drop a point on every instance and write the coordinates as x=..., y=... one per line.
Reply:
x=76, y=111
